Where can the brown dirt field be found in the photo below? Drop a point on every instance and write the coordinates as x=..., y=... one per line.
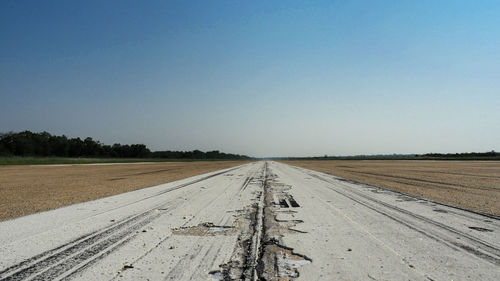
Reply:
x=473, y=185
x=26, y=190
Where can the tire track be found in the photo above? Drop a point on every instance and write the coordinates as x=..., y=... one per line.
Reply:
x=92, y=251
x=246, y=182
x=53, y=260
x=40, y=256
x=69, y=275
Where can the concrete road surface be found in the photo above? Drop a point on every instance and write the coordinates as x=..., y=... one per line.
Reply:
x=259, y=221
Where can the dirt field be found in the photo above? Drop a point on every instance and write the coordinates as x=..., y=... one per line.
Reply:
x=29, y=189
x=470, y=184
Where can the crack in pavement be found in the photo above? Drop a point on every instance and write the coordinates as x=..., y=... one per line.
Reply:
x=259, y=254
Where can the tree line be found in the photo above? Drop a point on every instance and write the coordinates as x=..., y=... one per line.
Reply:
x=490, y=155
x=44, y=144
x=465, y=155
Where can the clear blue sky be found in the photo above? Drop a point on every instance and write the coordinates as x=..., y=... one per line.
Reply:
x=263, y=78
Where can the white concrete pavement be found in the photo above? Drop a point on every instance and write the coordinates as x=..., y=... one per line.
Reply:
x=259, y=221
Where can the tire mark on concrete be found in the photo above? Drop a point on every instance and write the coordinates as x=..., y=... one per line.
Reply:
x=56, y=258
x=44, y=254
x=92, y=252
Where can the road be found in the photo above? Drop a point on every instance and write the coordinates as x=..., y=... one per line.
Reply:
x=258, y=221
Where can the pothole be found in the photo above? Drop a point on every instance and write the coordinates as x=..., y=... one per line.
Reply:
x=293, y=203
x=283, y=199
x=279, y=263
x=204, y=229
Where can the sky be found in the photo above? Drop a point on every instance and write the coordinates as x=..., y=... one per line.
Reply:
x=261, y=78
